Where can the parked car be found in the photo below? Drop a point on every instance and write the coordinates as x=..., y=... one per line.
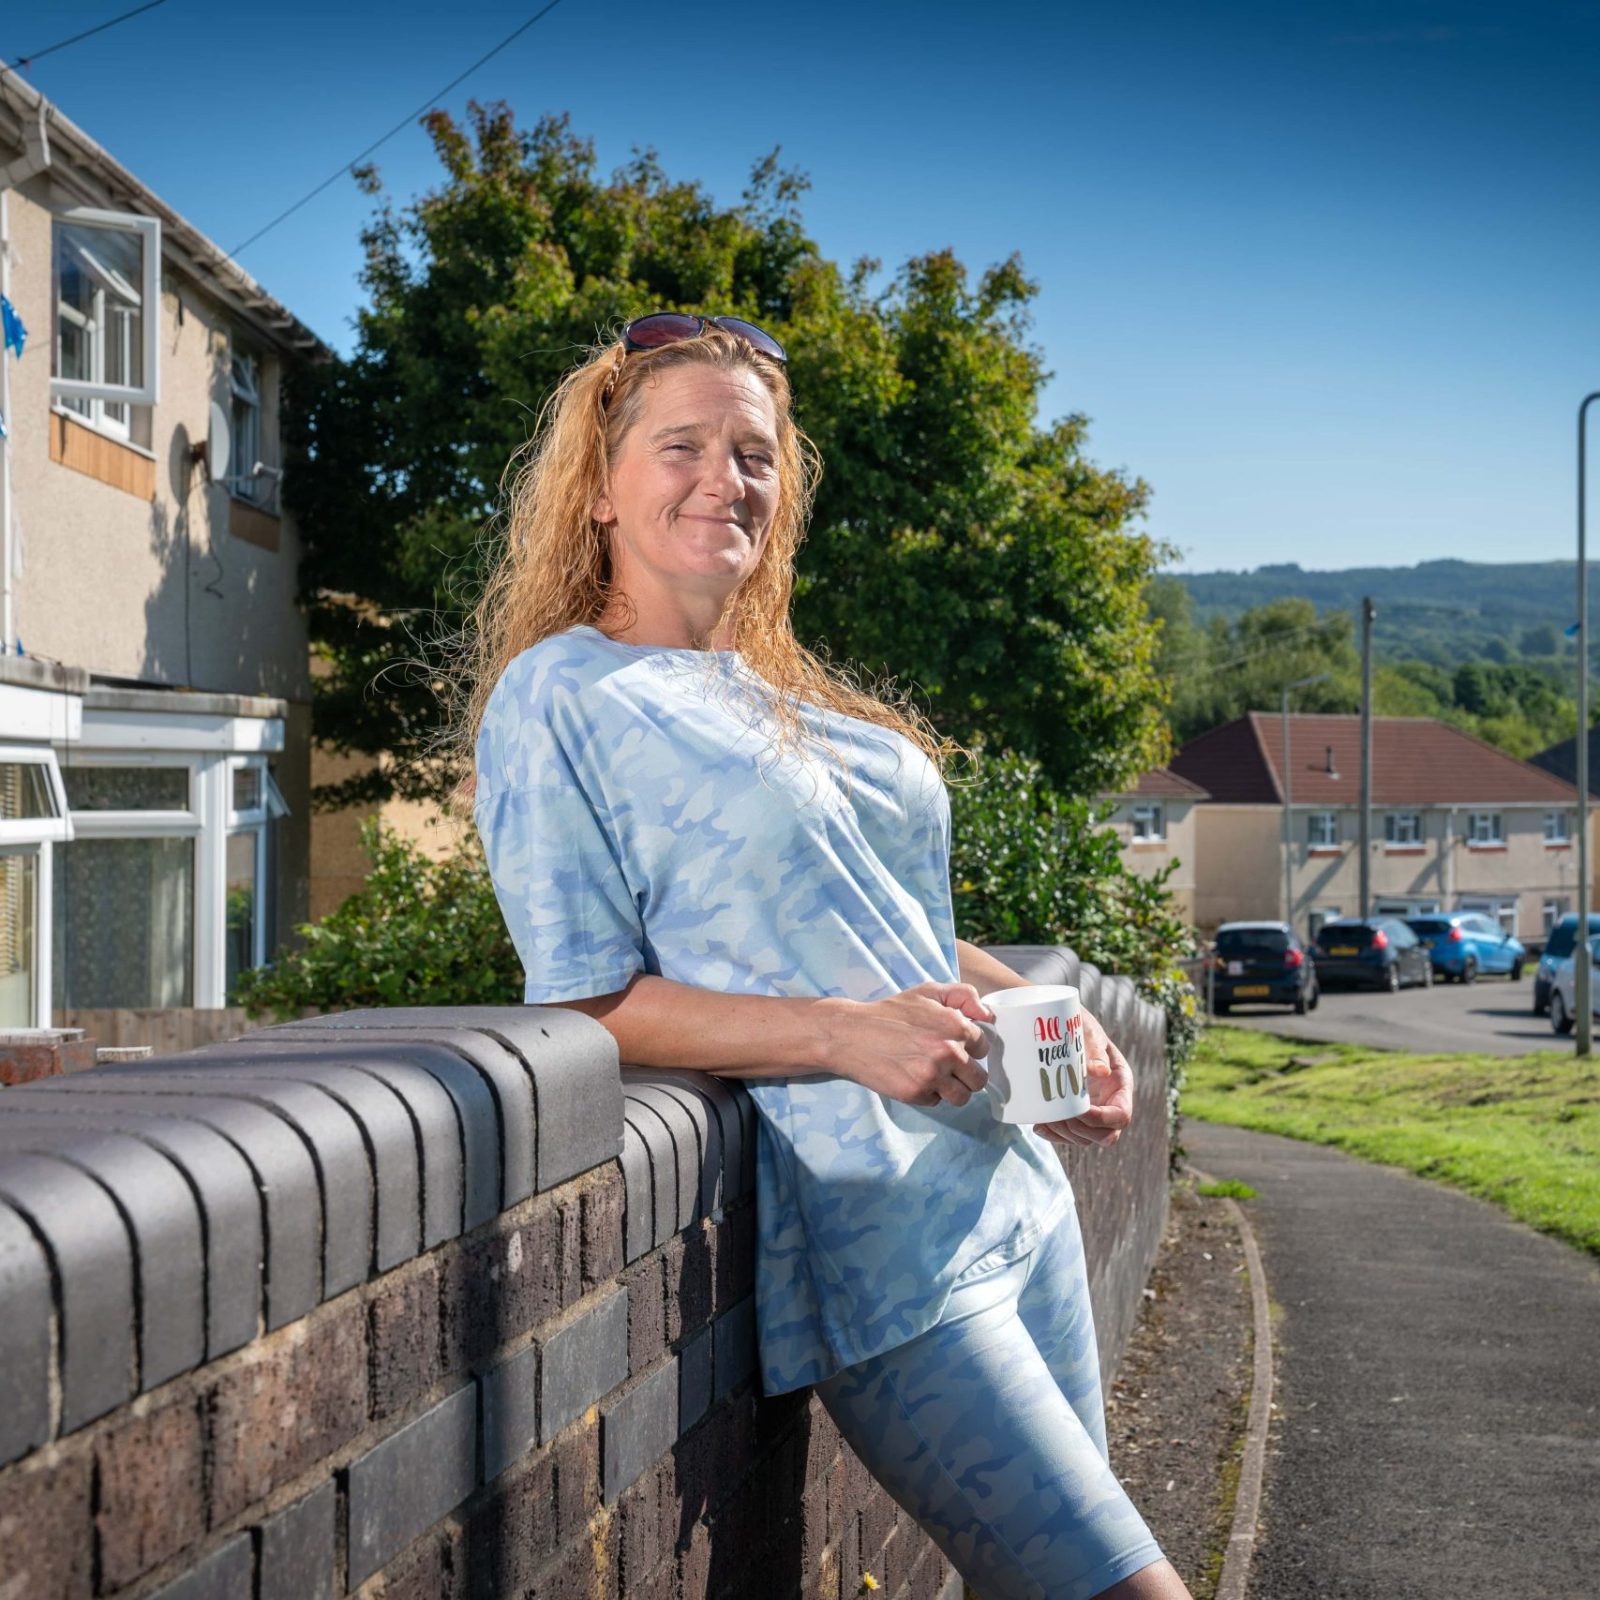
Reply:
x=1564, y=984
x=1558, y=947
x=1377, y=953
x=1465, y=943
x=1262, y=961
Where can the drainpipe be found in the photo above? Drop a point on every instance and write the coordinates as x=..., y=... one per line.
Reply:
x=34, y=159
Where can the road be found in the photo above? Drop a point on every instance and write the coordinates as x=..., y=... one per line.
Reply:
x=1492, y=1016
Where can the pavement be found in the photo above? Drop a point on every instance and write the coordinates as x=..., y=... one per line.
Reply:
x=1436, y=1432
x=1493, y=1016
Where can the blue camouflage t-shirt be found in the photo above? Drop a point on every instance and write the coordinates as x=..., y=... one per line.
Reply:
x=637, y=818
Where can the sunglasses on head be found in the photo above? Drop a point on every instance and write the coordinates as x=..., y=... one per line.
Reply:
x=668, y=327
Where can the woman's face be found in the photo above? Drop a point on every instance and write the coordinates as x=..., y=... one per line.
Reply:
x=694, y=485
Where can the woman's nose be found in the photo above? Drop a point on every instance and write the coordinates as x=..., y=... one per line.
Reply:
x=722, y=477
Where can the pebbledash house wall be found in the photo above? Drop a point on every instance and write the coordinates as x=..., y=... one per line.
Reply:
x=442, y=1304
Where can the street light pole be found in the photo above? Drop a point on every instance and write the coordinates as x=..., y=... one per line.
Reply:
x=1288, y=798
x=1582, y=999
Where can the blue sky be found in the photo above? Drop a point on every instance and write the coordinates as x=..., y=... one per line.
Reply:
x=1327, y=276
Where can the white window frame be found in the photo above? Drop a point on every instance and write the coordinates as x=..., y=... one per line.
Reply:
x=1551, y=912
x=1563, y=827
x=1149, y=822
x=1493, y=832
x=149, y=288
x=256, y=821
x=1322, y=822
x=244, y=385
x=1402, y=830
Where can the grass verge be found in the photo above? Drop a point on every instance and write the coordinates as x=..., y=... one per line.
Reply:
x=1523, y=1132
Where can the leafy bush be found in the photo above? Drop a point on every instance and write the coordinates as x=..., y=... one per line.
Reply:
x=418, y=933
x=1031, y=866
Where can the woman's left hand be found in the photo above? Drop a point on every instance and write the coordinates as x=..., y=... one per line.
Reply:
x=1110, y=1094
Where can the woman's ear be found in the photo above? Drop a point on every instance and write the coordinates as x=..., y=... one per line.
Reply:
x=602, y=511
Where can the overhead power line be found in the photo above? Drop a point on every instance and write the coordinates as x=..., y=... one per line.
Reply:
x=88, y=33
x=399, y=127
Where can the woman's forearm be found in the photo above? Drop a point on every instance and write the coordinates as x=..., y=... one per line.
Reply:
x=659, y=1023
x=985, y=972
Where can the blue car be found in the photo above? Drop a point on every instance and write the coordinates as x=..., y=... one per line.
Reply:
x=1465, y=943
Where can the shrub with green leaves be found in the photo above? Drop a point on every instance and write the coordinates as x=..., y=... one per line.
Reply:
x=1031, y=866
x=419, y=932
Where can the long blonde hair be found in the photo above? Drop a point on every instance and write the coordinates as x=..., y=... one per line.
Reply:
x=554, y=569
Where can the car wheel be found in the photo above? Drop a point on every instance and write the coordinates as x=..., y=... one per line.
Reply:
x=1302, y=1002
x=1559, y=1020
x=1391, y=978
x=1469, y=973
x=1540, y=1010
x=1316, y=995
x=1516, y=970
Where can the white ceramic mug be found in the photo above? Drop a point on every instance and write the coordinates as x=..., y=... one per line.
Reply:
x=1037, y=1065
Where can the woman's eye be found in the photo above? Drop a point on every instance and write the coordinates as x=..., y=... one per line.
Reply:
x=757, y=459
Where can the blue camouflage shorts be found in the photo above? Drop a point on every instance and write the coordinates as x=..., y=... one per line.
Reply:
x=989, y=1429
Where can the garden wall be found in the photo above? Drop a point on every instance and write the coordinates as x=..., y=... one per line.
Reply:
x=440, y=1304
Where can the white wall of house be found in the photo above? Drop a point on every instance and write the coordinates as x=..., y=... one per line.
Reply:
x=1157, y=830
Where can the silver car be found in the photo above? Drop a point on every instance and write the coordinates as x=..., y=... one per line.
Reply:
x=1563, y=984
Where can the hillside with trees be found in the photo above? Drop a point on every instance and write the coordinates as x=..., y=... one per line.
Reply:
x=1505, y=677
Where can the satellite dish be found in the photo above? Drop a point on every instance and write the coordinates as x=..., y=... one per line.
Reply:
x=218, y=445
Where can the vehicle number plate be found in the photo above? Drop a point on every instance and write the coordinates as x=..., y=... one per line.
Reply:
x=1235, y=968
x=1343, y=950
x=1252, y=988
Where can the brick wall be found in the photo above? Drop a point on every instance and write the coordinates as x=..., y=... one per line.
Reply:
x=438, y=1304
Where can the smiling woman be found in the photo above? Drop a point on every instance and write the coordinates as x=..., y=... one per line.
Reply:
x=735, y=861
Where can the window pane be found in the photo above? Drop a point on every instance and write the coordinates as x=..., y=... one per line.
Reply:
x=124, y=923
x=242, y=894
x=99, y=278
x=19, y=887
x=24, y=791
x=127, y=788
x=247, y=788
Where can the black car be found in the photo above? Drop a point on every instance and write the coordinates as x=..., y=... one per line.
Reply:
x=1375, y=953
x=1261, y=961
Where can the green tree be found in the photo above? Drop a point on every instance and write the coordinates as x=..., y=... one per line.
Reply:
x=978, y=558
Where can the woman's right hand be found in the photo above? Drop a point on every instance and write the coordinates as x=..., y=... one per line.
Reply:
x=920, y=1046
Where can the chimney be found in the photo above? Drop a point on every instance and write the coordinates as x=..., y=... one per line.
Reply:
x=1329, y=768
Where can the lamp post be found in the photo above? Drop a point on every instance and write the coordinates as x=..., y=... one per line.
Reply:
x=1582, y=1000
x=1288, y=798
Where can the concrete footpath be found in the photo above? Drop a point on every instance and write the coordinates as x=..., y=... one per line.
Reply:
x=1437, y=1430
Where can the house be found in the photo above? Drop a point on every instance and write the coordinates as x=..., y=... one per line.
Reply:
x=155, y=724
x=1456, y=824
x=1156, y=822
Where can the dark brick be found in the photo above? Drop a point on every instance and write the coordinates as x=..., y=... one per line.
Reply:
x=46, y=1529
x=715, y=1458
x=222, y=1575
x=506, y=1537
x=574, y=1574
x=688, y=1268
x=577, y=1461
x=877, y=1523
x=735, y=1258
x=409, y=1481
x=694, y=1387
x=659, y=1585
x=403, y=1335
x=502, y=1283
x=642, y=1542
x=814, y=1531
x=151, y=1501
x=569, y=1213
x=694, y=1565
x=297, y=1549
x=638, y=1428
x=647, y=1312
x=583, y=1362
x=600, y=1256
x=734, y=1347
x=295, y=1397
x=510, y=1411
x=427, y=1570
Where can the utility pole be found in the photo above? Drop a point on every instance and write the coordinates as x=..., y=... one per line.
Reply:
x=1583, y=1003
x=1368, y=611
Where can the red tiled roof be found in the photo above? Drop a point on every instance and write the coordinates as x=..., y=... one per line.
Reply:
x=1415, y=761
x=1162, y=783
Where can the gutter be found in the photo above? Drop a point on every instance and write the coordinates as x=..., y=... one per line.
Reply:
x=34, y=160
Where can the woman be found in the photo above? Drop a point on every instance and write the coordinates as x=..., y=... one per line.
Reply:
x=737, y=861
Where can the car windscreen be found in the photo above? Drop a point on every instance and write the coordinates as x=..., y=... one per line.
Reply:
x=1427, y=927
x=1344, y=934
x=1245, y=943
